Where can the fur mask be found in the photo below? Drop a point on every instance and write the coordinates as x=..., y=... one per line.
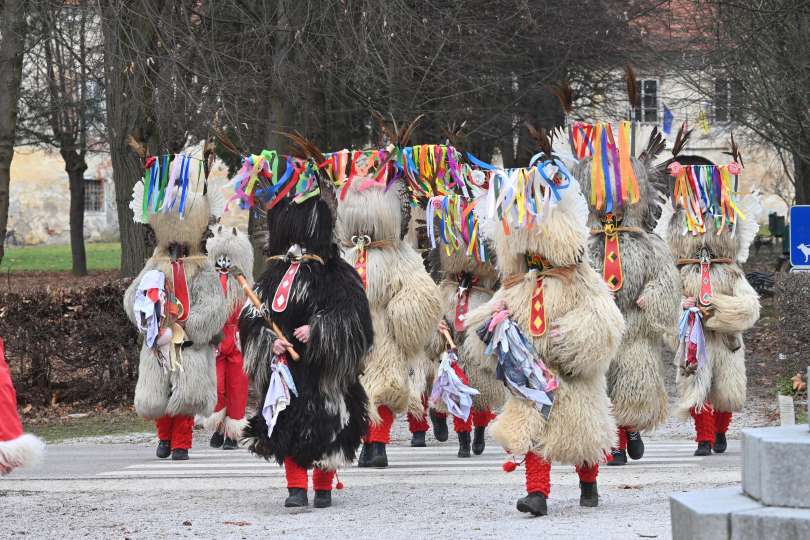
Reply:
x=640, y=214
x=560, y=237
x=227, y=247
x=369, y=208
x=732, y=243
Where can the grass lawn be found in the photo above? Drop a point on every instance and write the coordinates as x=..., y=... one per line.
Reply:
x=56, y=258
x=90, y=426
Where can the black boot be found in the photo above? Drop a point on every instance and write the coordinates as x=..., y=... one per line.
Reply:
x=217, y=439
x=297, y=498
x=720, y=443
x=418, y=439
x=617, y=457
x=230, y=444
x=479, y=443
x=588, y=494
x=365, y=456
x=533, y=503
x=439, y=426
x=323, y=498
x=464, y=444
x=379, y=459
x=635, y=446
x=164, y=449
x=704, y=448
x=179, y=454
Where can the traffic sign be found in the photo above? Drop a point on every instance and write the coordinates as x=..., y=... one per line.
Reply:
x=800, y=236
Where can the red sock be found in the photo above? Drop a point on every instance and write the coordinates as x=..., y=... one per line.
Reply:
x=463, y=426
x=164, y=428
x=381, y=433
x=182, y=429
x=538, y=474
x=416, y=425
x=704, y=424
x=622, y=438
x=588, y=473
x=721, y=421
x=482, y=418
x=322, y=480
x=296, y=475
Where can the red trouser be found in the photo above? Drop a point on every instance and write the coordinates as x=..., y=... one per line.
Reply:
x=176, y=430
x=381, y=433
x=538, y=474
x=232, y=385
x=297, y=476
x=623, y=431
x=232, y=382
x=708, y=422
x=476, y=418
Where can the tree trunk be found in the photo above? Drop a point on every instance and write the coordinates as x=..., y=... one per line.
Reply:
x=126, y=115
x=75, y=167
x=12, y=41
x=801, y=177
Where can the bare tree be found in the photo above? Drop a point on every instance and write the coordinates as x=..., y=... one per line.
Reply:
x=12, y=44
x=61, y=97
x=754, y=61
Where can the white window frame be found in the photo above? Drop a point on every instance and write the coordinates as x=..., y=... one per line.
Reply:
x=102, y=187
x=641, y=108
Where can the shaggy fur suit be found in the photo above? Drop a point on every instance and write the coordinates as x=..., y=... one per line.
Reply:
x=192, y=391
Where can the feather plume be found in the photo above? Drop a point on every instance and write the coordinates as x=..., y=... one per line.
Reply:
x=136, y=202
x=303, y=147
x=667, y=211
x=735, y=151
x=226, y=142
x=680, y=140
x=747, y=228
x=655, y=145
x=404, y=136
x=633, y=95
x=453, y=134
x=565, y=94
x=138, y=147
x=543, y=138
x=386, y=135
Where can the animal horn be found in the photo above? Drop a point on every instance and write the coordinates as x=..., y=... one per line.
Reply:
x=633, y=94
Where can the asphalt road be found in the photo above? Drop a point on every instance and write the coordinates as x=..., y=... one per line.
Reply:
x=122, y=491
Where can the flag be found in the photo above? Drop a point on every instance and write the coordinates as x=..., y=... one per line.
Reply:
x=703, y=121
x=668, y=118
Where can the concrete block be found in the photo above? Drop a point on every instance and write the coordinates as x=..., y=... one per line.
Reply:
x=706, y=514
x=772, y=523
x=775, y=465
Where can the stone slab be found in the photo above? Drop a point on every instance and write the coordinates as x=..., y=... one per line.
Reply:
x=706, y=514
x=775, y=465
x=772, y=523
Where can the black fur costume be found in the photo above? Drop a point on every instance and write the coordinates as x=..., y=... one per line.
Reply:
x=325, y=423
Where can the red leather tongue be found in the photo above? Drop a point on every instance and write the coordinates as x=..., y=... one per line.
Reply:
x=282, y=296
x=537, y=315
x=181, y=288
x=360, y=266
x=612, y=267
x=462, y=306
x=705, y=297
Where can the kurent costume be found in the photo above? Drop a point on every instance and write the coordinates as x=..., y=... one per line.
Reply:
x=709, y=231
x=176, y=302
x=466, y=282
x=638, y=269
x=226, y=248
x=17, y=449
x=313, y=411
x=561, y=326
x=372, y=222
